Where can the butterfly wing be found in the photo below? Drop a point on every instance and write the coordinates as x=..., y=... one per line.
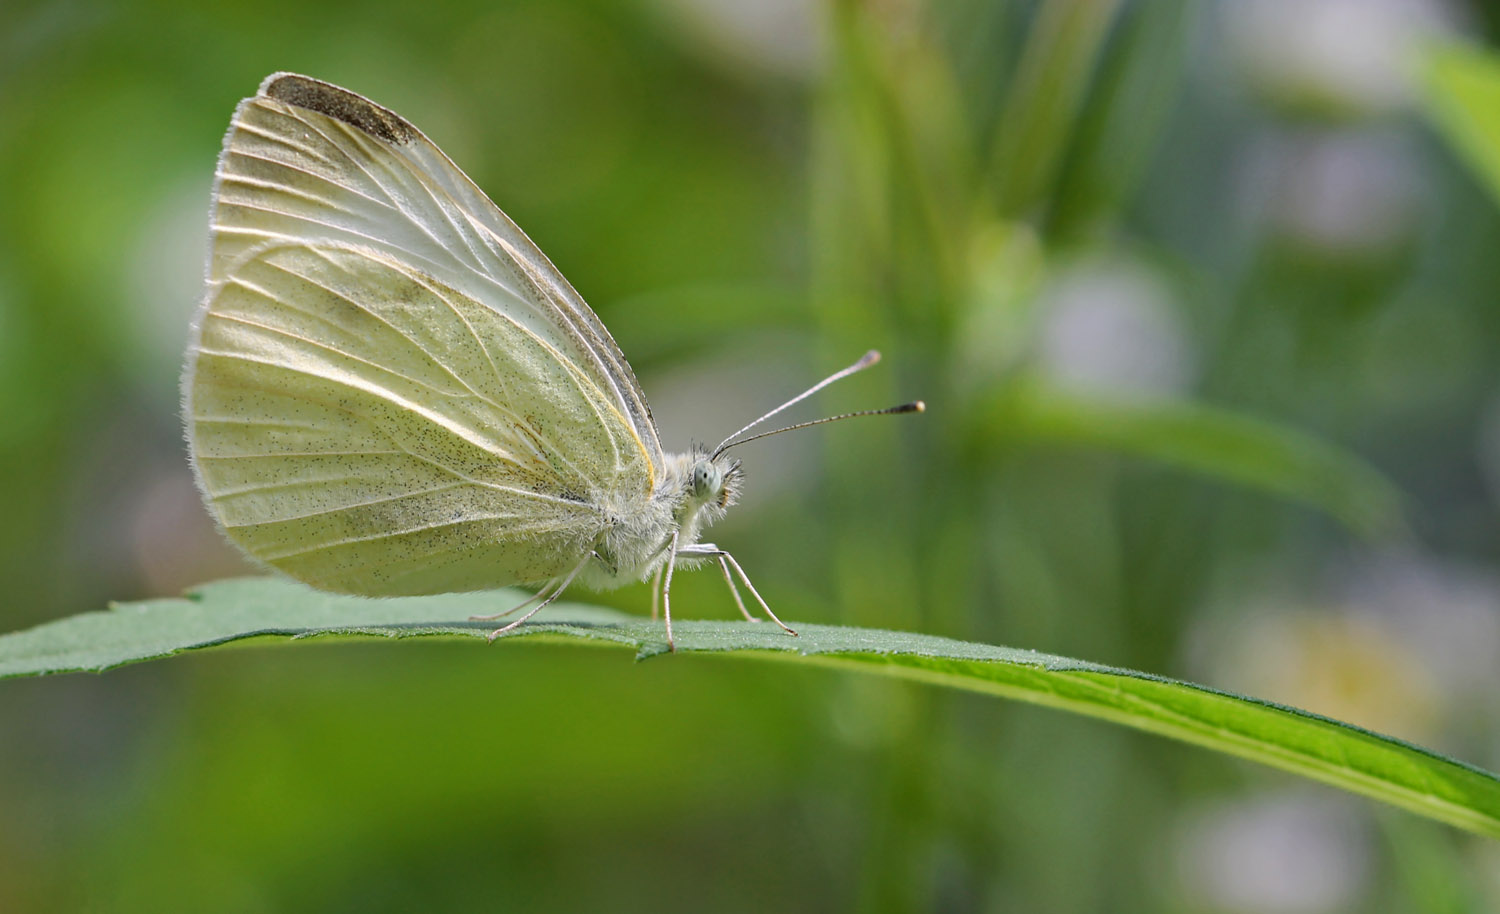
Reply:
x=392, y=391
x=307, y=159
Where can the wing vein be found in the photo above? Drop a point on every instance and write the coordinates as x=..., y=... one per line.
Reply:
x=442, y=421
x=281, y=139
x=329, y=348
x=295, y=114
x=305, y=172
x=272, y=556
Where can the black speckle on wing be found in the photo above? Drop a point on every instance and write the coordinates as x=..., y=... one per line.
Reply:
x=341, y=104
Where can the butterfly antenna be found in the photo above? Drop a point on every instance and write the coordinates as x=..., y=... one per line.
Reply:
x=916, y=406
x=868, y=359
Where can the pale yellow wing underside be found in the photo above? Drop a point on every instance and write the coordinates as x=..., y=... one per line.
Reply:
x=385, y=395
x=365, y=428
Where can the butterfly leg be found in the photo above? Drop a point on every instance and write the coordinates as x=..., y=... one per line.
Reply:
x=734, y=591
x=666, y=590
x=726, y=561
x=543, y=605
x=539, y=595
x=656, y=591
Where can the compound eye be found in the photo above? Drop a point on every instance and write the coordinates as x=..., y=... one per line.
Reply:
x=703, y=480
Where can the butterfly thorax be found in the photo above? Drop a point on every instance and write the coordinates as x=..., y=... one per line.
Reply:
x=694, y=491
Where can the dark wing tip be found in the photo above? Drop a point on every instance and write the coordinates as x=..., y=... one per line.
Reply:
x=339, y=104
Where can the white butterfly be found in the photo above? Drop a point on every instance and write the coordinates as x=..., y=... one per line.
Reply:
x=390, y=390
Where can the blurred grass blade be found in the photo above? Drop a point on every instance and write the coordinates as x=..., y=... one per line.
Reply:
x=1138, y=85
x=1462, y=97
x=1326, y=750
x=1041, y=109
x=1211, y=441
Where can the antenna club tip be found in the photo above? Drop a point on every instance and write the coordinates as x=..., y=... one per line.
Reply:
x=868, y=359
x=919, y=407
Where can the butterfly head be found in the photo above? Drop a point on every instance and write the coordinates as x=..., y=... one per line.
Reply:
x=713, y=482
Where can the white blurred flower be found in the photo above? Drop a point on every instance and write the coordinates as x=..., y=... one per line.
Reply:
x=173, y=540
x=1347, y=57
x=1396, y=641
x=701, y=401
x=161, y=281
x=1344, y=192
x=1295, y=853
x=1445, y=613
x=1335, y=661
x=780, y=37
x=1008, y=264
x=1111, y=326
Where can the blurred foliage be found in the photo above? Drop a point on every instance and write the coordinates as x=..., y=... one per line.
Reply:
x=1117, y=209
x=1463, y=96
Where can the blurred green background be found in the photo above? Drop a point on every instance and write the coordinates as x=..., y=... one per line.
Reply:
x=1192, y=290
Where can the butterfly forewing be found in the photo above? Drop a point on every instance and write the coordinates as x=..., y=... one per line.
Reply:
x=387, y=394
x=308, y=159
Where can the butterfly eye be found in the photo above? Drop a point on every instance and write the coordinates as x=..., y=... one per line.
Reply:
x=706, y=479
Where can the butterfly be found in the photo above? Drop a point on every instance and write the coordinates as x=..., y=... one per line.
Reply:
x=390, y=390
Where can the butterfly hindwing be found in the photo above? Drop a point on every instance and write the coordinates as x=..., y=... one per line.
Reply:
x=365, y=427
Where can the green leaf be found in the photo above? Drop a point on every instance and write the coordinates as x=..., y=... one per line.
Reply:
x=1211, y=441
x=1462, y=97
x=261, y=608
